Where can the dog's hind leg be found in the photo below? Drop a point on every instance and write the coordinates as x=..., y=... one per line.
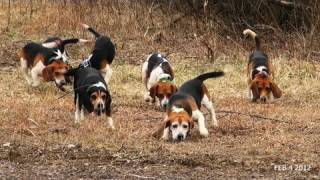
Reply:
x=209, y=105
x=24, y=69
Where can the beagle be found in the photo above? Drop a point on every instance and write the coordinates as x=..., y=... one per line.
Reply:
x=46, y=60
x=260, y=74
x=91, y=94
x=158, y=77
x=102, y=54
x=184, y=107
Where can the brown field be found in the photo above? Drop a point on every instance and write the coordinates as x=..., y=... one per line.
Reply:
x=39, y=140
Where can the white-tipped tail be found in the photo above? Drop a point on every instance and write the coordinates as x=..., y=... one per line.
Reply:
x=85, y=25
x=84, y=41
x=50, y=44
x=250, y=33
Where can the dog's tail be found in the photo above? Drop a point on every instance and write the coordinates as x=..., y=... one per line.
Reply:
x=249, y=32
x=62, y=43
x=205, y=76
x=74, y=41
x=90, y=29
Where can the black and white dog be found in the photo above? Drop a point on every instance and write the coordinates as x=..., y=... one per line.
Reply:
x=91, y=94
x=102, y=54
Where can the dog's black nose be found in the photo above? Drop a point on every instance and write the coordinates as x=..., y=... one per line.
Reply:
x=100, y=106
x=263, y=99
x=165, y=106
x=180, y=137
x=63, y=83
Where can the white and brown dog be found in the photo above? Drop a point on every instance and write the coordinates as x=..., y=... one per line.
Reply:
x=102, y=54
x=184, y=108
x=260, y=74
x=158, y=77
x=91, y=94
x=47, y=60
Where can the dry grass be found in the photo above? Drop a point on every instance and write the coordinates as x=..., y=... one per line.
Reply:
x=41, y=131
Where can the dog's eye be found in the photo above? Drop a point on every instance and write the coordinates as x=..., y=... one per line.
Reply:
x=185, y=126
x=168, y=94
x=259, y=89
x=93, y=97
x=175, y=126
x=103, y=97
x=160, y=96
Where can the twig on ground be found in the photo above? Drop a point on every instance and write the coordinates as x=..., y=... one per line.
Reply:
x=141, y=177
x=252, y=115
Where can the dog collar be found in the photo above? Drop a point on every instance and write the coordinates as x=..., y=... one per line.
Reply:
x=165, y=78
x=86, y=62
x=98, y=84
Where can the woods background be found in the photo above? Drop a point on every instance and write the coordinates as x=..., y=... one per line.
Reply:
x=288, y=28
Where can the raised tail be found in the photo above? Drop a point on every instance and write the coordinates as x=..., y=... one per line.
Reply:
x=74, y=41
x=249, y=32
x=90, y=29
x=205, y=76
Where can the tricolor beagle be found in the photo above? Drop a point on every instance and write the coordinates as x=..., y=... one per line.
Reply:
x=184, y=107
x=102, y=54
x=260, y=74
x=47, y=60
x=91, y=94
x=158, y=77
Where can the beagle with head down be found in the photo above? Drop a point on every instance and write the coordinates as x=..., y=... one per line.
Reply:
x=46, y=60
x=260, y=74
x=184, y=108
x=91, y=94
x=158, y=77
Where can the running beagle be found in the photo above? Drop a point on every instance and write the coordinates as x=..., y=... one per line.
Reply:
x=260, y=74
x=102, y=54
x=184, y=107
x=47, y=60
x=158, y=77
x=91, y=94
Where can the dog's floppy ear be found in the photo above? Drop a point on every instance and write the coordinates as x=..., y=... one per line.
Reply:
x=191, y=124
x=254, y=89
x=168, y=123
x=47, y=73
x=173, y=88
x=153, y=90
x=275, y=90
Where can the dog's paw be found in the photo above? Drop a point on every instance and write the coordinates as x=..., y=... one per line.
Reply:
x=204, y=132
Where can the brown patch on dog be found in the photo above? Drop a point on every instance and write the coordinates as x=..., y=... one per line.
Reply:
x=55, y=70
x=162, y=90
x=262, y=85
x=179, y=117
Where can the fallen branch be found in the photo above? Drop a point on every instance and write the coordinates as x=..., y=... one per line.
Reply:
x=252, y=115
